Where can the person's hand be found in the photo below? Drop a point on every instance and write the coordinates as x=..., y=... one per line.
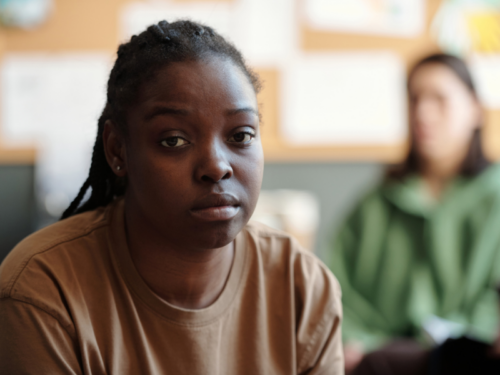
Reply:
x=353, y=354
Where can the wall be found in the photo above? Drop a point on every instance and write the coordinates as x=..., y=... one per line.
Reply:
x=17, y=205
x=336, y=185
x=93, y=25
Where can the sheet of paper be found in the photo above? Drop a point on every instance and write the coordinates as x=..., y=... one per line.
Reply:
x=54, y=102
x=344, y=98
x=397, y=18
x=267, y=31
x=136, y=17
x=485, y=69
x=263, y=30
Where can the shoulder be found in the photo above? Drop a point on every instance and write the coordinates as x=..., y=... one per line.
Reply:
x=280, y=254
x=297, y=274
x=276, y=246
x=41, y=253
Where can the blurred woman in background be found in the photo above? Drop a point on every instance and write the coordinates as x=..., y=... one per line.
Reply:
x=419, y=256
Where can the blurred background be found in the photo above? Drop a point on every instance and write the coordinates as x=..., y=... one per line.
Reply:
x=333, y=104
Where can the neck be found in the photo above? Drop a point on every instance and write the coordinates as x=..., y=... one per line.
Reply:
x=187, y=278
x=438, y=173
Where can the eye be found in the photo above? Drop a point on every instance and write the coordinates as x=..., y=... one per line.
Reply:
x=242, y=138
x=172, y=142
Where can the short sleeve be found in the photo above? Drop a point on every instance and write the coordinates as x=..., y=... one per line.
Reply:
x=319, y=338
x=34, y=342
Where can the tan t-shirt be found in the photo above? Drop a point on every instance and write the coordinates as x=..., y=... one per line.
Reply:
x=72, y=302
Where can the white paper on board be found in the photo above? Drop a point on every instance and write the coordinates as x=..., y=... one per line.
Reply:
x=344, y=98
x=267, y=31
x=54, y=101
x=263, y=30
x=485, y=69
x=397, y=18
x=137, y=16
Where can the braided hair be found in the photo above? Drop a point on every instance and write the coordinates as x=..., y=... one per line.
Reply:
x=137, y=63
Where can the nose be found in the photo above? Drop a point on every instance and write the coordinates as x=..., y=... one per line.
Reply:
x=422, y=110
x=213, y=165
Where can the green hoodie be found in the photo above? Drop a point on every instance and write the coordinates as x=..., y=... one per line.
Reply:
x=401, y=258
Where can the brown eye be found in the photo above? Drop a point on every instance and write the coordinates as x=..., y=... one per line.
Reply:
x=173, y=142
x=242, y=137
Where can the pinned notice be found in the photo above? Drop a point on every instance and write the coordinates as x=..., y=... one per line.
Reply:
x=486, y=71
x=345, y=98
x=264, y=30
x=53, y=101
x=397, y=18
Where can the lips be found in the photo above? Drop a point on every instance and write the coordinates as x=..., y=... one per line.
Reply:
x=216, y=207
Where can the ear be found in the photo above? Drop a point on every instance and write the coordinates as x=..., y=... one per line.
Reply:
x=114, y=148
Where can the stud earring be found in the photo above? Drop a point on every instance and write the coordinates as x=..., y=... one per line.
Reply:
x=118, y=167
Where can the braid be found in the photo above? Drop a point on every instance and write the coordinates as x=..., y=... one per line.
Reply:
x=137, y=63
x=99, y=179
x=74, y=205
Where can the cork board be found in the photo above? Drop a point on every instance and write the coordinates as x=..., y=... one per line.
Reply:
x=93, y=25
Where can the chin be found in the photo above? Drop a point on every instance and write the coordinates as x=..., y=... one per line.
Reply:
x=216, y=235
x=429, y=151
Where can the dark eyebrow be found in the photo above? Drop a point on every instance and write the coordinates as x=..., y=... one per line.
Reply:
x=161, y=110
x=242, y=110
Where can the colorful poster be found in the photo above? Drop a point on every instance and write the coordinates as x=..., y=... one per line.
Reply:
x=462, y=27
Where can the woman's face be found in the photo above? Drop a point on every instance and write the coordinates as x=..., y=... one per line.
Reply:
x=193, y=158
x=443, y=112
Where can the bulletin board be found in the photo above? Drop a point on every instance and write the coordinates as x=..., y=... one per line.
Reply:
x=14, y=155
x=93, y=25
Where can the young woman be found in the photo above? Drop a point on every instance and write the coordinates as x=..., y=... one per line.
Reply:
x=427, y=241
x=158, y=271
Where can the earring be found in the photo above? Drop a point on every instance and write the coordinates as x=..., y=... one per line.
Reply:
x=118, y=167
